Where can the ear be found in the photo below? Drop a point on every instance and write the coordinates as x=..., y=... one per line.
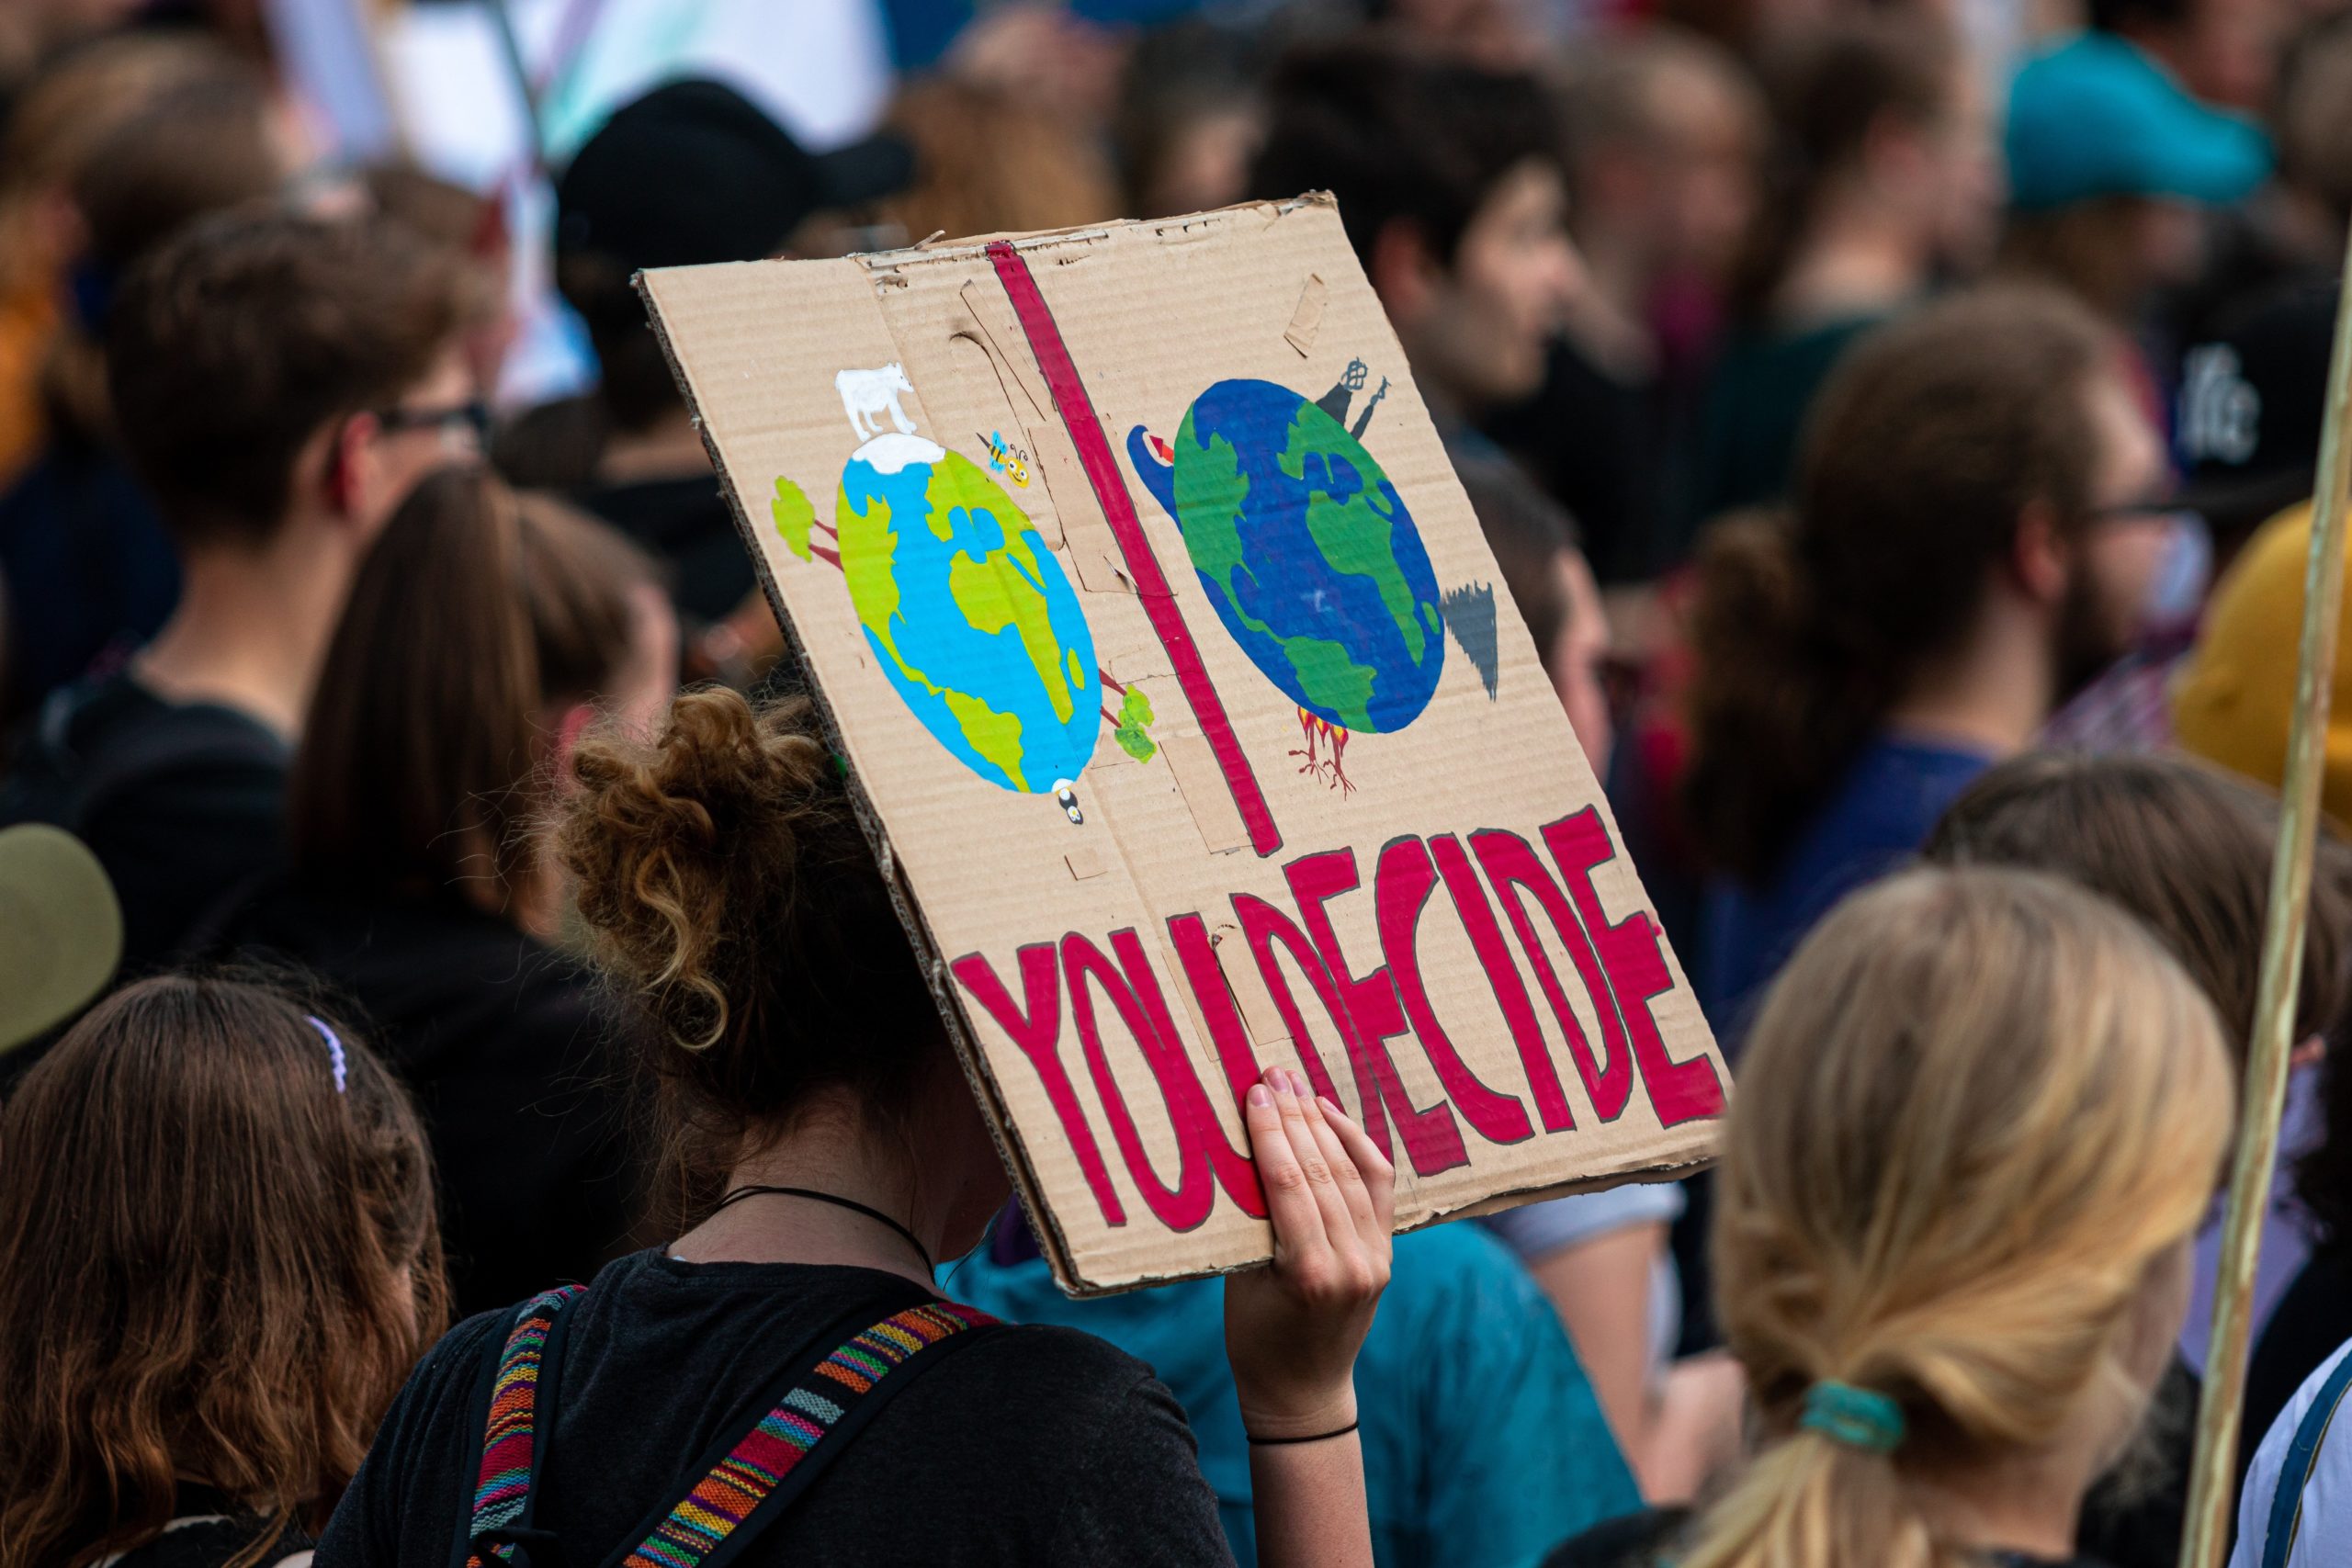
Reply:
x=2040, y=560
x=568, y=728
x=350, y=477
x=1405, y=274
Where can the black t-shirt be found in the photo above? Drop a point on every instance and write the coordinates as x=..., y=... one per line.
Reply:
x=1646, y=1539
x=1029, y=1448
x=511, y=1058
x=179, y=801
x=684, y=522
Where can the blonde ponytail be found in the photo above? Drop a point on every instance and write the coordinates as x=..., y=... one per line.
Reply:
x=1978, y=1108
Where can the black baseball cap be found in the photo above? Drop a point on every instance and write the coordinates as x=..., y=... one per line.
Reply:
x=2253, y=401
x=694, y=172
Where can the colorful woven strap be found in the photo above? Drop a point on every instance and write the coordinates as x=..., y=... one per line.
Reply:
x=510, y=1440
x=704, y=1520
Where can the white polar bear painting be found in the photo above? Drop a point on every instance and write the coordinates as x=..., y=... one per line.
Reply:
x=867, y=395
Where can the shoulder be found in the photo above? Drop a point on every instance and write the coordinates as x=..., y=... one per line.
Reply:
x=1067, y=1399
x=1535, y=1230
x=435, y=1406
x=2318, y=1474
x=408, y=1484
x=1882, y=808
x=1096, y=1446
x=138, y=751
x=118, y=713
x=460, y=1352
x=440, y=1391
x=1088, y=1374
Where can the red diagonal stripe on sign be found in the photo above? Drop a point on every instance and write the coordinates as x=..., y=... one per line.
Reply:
x=1094, y=455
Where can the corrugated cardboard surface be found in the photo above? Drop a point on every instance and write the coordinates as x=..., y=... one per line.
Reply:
x=1152, y=315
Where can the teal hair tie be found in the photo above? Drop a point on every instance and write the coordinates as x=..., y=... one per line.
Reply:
x=1854, y=1416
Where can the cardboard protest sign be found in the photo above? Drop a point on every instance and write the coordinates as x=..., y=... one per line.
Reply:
x=1176, y=685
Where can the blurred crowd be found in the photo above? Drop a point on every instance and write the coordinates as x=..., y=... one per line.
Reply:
x=1894, y=421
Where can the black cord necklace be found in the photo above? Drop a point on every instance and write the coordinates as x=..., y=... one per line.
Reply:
x=852, y=1204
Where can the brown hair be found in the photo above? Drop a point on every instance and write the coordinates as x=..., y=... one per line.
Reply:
x=213, y=1264
x=1400, y=136
x=2184, y=846
x=443, y=211
x=233, y=345
x=1978, y=1108
x=470, y=230
x=71, y=108
x=200, y=146
x=475, y=611
x=2090, y=248
x=994, y=163
x=1832, y=87
x=1928, y=443
x=729, y=891
x=203, y=140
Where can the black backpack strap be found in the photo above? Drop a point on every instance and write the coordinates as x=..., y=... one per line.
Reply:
x=757, y=1477
x=513, y=1410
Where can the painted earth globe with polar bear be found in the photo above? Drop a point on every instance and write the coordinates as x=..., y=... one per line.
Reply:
x=968, y=613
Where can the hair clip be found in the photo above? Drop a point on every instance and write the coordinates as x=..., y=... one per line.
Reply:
x=334, y=1048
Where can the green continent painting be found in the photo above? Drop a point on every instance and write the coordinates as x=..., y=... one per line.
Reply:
x=1306, y=552
x=967, y=611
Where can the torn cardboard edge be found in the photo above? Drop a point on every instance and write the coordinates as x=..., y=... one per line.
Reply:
x=963, y=252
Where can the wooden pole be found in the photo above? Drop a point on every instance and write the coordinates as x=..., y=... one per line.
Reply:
x=2205, y=1540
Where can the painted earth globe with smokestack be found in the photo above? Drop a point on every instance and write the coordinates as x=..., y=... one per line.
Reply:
x=1307, y=554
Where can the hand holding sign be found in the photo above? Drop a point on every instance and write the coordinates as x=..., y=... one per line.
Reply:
x=1291, y=1329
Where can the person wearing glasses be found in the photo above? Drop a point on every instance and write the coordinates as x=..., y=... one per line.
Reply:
x=279, y=383
x=1973, y=537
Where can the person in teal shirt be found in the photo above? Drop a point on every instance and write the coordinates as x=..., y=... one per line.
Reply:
x=1483, y=1444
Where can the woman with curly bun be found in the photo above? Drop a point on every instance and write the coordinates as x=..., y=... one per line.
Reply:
x=826, y=1153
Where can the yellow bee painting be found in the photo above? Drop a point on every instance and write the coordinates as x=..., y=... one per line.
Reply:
x=1008, y=459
